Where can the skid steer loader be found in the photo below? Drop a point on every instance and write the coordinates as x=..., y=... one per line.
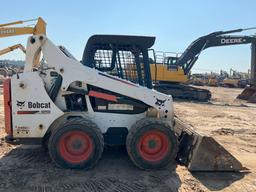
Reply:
x=75, y=108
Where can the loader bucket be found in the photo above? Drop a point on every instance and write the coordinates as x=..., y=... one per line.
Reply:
x=203, y=153
x=248, y=94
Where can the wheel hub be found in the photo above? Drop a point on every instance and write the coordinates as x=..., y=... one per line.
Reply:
x=153, y=146
x=75, y=146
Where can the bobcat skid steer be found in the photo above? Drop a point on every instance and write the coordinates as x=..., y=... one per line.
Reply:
x=75, y=108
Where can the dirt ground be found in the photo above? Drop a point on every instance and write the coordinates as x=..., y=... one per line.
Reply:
x=230, y=121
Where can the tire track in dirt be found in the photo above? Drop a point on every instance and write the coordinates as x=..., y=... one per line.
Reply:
x=32, y=170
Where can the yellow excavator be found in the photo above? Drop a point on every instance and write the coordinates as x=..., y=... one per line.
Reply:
x=4, y=69
x=11, y=29
x=12, y=48
x=170, y=76
x=39, y=28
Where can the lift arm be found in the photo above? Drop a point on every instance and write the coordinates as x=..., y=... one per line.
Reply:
x=216, y=39
x=12, y=48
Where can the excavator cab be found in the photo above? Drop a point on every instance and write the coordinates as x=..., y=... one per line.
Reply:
x=123, y=56
x=170, y=62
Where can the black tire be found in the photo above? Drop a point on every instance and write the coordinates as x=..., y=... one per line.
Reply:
x=162, y=158
x=76, y=143
x=45, y=141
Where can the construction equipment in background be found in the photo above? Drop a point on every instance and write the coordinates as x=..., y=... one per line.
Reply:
x=75, y=108
x=11, y=29
x=201, y=79
x=236, y=79
x=173, y=83
x=12, y=48
x=213, y=80
x=159, y=72
x=198, y=79
x=5, y=70
x=223, y=75
x=168, y=78
x=7, y=31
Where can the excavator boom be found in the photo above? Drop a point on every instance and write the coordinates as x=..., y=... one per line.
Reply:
x=216, y=39
x=10, y=29
x=12, y=48
x=39, y=28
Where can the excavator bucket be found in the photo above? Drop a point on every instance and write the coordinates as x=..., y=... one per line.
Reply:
x=248, y=94
x=203, y=153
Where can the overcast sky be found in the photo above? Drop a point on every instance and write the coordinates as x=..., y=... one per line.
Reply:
x=174, y=23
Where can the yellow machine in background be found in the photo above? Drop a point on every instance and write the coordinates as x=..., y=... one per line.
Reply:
x=213, y=80
x=173, y=75
x=5, y=69
x=165, y=70
x=170, y=75
x=170, y=78
x=230, y=82
x=198, y=79
x=39, y=28
x=7, y=30
x=12, y=48
x=236, y=79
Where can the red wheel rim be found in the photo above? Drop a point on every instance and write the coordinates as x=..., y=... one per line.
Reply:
x=153, y=146
x=75, y=146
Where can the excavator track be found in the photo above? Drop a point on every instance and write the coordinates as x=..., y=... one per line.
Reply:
x=184, y=92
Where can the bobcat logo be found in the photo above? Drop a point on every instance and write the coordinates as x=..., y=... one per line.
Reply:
x=21, y=104
x=160, y=102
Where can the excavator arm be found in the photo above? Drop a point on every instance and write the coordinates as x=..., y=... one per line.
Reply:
x=12, y=48
x=10, y=29
x=39, y=28
x=216, y=39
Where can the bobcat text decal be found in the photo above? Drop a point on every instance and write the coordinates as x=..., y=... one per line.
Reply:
x=37, y=105
x=33, y=105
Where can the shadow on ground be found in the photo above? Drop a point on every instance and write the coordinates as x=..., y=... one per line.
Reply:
x=30, y=169
x=215, y=181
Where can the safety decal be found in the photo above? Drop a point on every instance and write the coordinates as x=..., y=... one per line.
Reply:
x=33, y=112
